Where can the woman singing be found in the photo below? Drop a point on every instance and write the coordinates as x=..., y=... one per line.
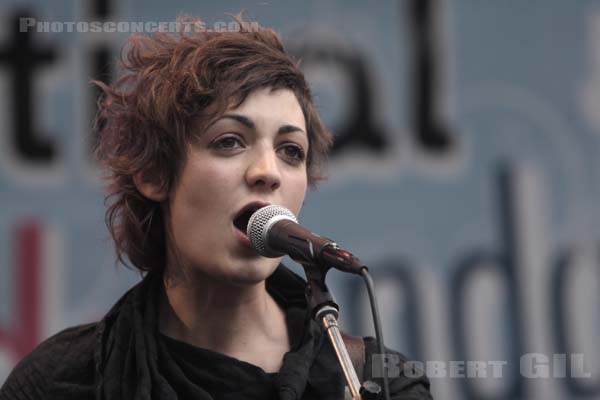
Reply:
x=202, y=129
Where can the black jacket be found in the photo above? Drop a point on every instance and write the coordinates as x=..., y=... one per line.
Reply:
x=124, y=357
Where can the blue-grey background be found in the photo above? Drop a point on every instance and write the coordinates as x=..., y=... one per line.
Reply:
x=484, y=250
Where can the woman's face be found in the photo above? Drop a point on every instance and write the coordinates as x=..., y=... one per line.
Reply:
x=253, y=153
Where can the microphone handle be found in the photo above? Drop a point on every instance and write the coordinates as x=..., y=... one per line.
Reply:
x=306, y=247
x=342, y=259
x=288, y=237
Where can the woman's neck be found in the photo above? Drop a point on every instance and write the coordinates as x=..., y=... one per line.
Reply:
x=243, y=322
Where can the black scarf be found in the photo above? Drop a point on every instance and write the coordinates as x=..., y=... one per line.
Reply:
x=133, y=362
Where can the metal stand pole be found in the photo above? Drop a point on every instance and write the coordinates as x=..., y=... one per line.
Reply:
x=328, y=316
x=325, y=310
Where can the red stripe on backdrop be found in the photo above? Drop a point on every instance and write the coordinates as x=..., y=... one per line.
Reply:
x=22, y=335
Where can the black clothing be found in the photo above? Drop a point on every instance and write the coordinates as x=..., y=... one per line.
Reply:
x=124, y=357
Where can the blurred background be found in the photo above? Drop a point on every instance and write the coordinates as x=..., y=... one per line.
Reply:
x=466, y=175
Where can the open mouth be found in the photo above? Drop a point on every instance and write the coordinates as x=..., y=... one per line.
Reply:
x=241, y=221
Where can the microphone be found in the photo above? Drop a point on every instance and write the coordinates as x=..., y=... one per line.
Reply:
x=274, y=231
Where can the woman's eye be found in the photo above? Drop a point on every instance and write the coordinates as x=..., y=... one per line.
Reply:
x=228, y=142
x=294, y=152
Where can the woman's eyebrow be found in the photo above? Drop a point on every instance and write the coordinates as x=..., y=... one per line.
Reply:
x=248, y=123
x=288, y=129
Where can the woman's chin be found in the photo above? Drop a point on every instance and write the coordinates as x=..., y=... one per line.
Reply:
x=255, y=272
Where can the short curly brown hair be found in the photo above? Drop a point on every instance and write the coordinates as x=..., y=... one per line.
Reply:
x=170, y=83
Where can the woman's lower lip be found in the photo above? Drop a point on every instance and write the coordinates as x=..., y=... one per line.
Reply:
x=242, y=237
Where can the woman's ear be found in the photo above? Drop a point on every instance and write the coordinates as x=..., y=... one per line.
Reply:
x=148, y=188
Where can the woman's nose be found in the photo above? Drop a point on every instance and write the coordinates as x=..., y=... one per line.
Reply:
x=263, y=171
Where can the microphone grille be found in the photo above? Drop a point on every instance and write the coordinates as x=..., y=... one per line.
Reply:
x=260, y=223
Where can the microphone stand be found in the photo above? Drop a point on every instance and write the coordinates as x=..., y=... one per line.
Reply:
x=325, y=310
